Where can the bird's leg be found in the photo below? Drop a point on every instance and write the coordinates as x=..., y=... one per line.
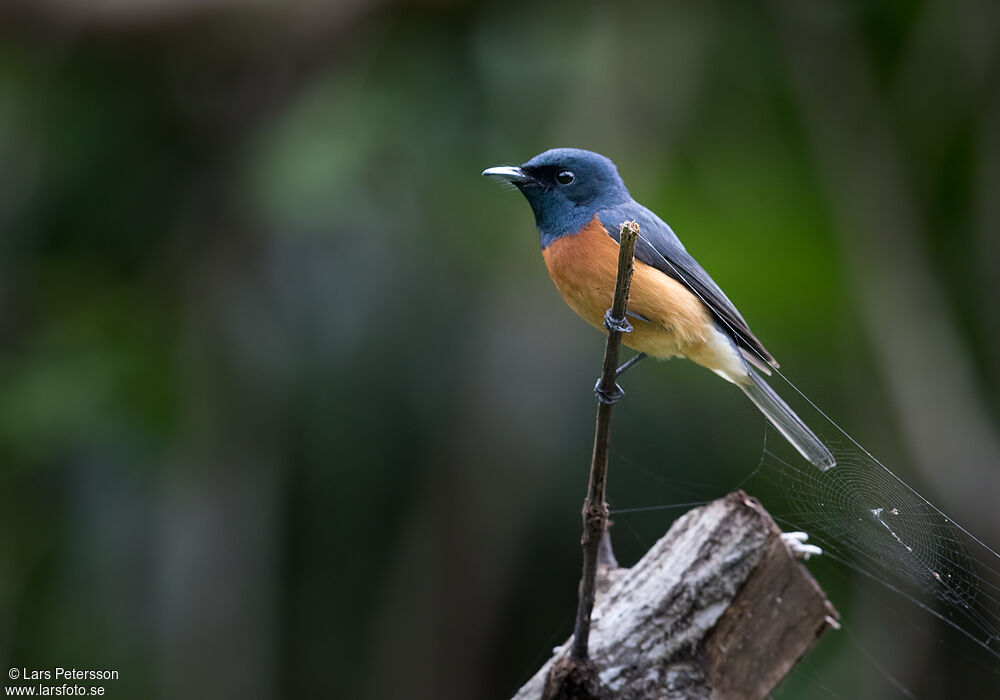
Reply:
x=633, y=361
x=612, y=396
x=616, y=393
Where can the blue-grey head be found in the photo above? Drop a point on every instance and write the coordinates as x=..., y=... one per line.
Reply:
x=565, y=187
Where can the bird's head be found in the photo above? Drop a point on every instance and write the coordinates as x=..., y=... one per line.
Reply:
x=565, y=187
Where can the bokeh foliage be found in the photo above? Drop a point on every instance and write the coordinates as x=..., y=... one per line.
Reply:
x=288, y=407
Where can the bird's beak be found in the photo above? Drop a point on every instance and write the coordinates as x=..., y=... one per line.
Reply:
x=507, y=174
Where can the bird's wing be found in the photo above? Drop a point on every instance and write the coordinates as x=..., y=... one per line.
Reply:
x=659, y=247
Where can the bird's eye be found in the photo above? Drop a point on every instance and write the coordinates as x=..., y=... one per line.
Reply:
x=565, y=177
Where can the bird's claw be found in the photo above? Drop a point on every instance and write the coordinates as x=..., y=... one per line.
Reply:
x=616, y=324
x=605, y=396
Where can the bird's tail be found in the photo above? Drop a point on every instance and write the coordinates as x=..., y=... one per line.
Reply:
x=788, y=424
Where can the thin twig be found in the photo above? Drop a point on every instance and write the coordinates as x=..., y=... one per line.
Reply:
x=595, y=509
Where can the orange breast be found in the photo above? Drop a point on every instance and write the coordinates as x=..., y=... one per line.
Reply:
x=584, y=267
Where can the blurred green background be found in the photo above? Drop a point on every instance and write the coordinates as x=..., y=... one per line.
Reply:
x=288, y=405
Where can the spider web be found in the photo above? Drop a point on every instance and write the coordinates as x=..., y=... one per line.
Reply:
x=867, y=518
x=876, y=532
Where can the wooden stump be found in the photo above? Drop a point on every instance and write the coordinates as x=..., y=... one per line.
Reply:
x=718, y=608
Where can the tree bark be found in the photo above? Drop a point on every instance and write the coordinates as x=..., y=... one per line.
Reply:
x=718, y=608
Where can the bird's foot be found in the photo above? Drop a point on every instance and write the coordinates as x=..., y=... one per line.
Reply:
x=605, y=396
x=616, y=324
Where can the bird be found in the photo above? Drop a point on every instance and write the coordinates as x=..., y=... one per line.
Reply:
x=675, y=308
